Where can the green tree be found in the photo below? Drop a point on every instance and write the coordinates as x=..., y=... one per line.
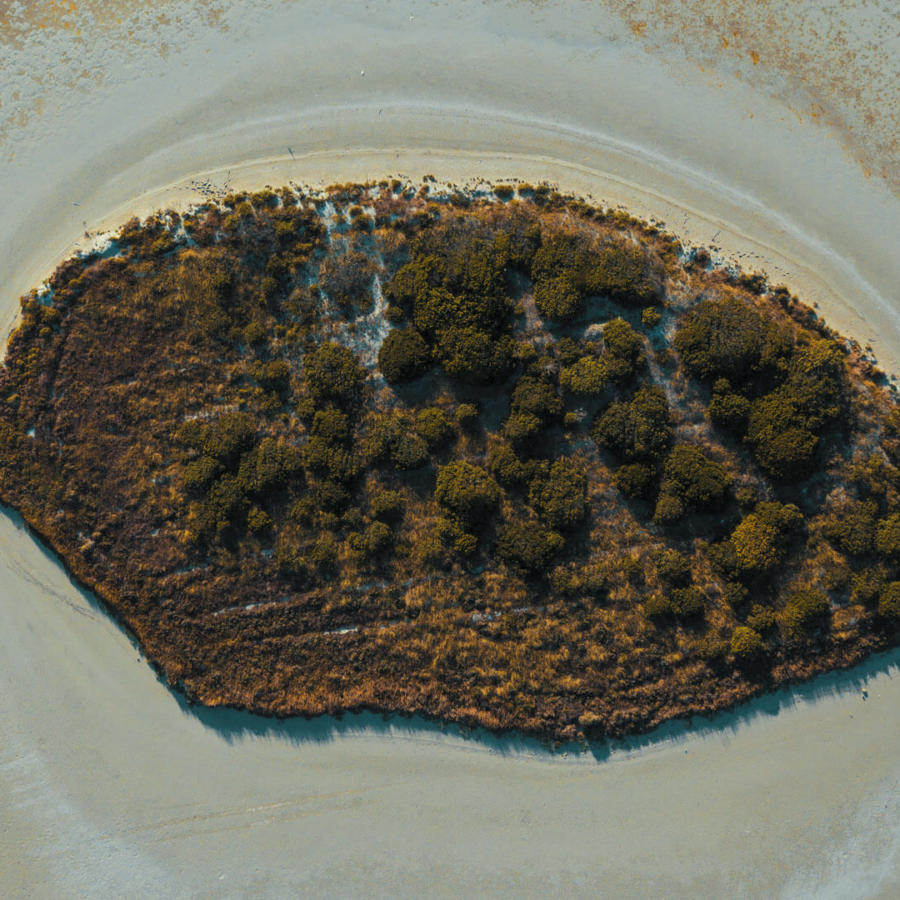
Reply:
x=403, y=356
x=468, y=491
x=558, y=494
x=528, y=546
x=806, y=612
x=586, y=377
x=558, y=297
x=694, y=478
x=746, y=645
x=639, y=430
x=889, y=604
x=887, y=537
x=333, y=374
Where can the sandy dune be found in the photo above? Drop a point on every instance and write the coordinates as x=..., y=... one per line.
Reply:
x=107, y=785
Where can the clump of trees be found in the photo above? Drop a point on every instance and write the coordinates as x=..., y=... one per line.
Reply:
x=777, y=392
x=691, y=480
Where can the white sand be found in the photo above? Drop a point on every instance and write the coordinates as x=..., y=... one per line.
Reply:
x=107, y=786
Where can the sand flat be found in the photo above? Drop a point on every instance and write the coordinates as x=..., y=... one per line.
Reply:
x=108, y=785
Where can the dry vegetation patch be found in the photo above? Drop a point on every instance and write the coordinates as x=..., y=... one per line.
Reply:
x=567, y=477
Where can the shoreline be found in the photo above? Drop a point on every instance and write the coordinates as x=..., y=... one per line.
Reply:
x=827, y=287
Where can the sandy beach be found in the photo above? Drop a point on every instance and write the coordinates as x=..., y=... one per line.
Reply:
x=108, y=785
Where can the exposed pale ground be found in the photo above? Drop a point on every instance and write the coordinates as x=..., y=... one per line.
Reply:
x=108, y=787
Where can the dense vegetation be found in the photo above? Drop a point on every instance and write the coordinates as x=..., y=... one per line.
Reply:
x=511, y=461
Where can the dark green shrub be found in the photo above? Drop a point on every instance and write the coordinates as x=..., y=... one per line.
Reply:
x=688, y=603
x=333, y=373
x=782, y=448
x=433, y=426
x=729, y=339
x=634, y=480
x=639, y=430
x=669, y=509
x=867, y=585
x=674, y=567
x=684, y=604
x=558, y=495
x=228, y=437
x=258, y=521
x=330, y=496
x=558, y=297
x=586, y=377
x=650, y=317
x=468, y=491
x=200, y=473
x=409, y=451
x=760, y=538
x=403, y=356
x=537, y=397
x=735, y=594
x=889, y=604
x=746, y=645
x=474, y=356
x=762, y=618
x=694, y=478
x=521, y=429
x=388, y=506
x=274, y=463
x=528, y=546
x=331, y=425
x=506, y=466
x=729, y=410
x=851, y=527
x=274, y=375
x=887, y=537
x=622, y=272
x=806, y=612
x=624, y=350
x=724, y=559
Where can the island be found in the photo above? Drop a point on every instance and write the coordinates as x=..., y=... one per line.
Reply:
x=503, y=458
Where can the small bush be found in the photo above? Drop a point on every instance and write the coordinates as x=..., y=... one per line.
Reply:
x=333, y=373
x=586, y=377
x=806, y=612
x=558, y=495
x=746, y=645
x=887, y=537
x=403, y=356
x=889, y=604
x=468, y=491
x=634, y=480
x=558, y=297
x=506, y=466
x=674, y=567
x=528, y=546
x=388, y=506
x=691, y=476
x=762, y=618
x=467, y=416
x=639, y=430
x=433, y=426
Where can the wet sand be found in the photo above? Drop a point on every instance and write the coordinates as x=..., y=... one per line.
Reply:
x=109, y=786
